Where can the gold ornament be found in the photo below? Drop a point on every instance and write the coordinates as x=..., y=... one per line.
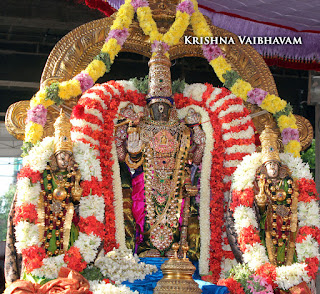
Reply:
x=159, y=77
x=62, y=136
x=177, y=274
x=269, y=145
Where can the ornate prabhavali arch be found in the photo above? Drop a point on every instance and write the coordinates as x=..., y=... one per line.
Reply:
x=75, y=51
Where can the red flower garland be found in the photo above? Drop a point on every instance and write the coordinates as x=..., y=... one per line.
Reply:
x=268, y=271
x=307, y=190
x=244, y=197
x=312, y=266
x=28, y=172
x=32, y=257
x=90, y=225
x=74, y=259
x=27, y=212
x=217, y=173
x=233, y=286
x=248, y=235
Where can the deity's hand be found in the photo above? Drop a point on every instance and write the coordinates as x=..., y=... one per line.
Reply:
x=261, y=198
x=134, y=143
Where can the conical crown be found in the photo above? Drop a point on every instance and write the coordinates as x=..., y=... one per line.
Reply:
x=62, y=134
x=269, y=144
x=159, y=77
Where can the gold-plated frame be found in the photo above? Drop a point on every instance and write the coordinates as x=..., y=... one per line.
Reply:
x=77, y=49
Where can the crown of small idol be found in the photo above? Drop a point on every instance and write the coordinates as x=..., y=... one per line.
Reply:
x=62, y=134
x=269, y=145
x=159, y=77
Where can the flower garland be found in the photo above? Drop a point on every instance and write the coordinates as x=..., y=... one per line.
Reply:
x=281, y=110
x=91, y=206
x=231, y=136
x=121, y=265
x=254, y=253
x=187, y=12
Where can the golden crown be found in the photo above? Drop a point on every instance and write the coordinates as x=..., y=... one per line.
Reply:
x=159, y=77
x=62, y=134
x=269, y=145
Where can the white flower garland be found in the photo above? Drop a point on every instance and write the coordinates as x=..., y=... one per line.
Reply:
x=100, y=287
x=121, y=265
x=27, y=234
x=308, y=215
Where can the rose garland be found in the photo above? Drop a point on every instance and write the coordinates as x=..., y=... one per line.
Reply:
x=231, y=136
x=254, y=253
x=187, y=12
x=91, y=212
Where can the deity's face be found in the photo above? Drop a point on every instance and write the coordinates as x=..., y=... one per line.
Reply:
x=63, y=160
x=272, y=168
x=160, y=111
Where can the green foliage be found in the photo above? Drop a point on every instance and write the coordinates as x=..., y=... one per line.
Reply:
x=178, y=86
x=230, y=77
x=5, y=204
x=35, y=279
x=241, y=273
x=26, y=147
x=105, y=58
x=142, y=84
x=286, y=111
x=92, y=273
x=309, y=156
x=53, y=93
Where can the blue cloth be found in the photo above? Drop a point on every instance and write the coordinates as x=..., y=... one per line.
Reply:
x=147, y=285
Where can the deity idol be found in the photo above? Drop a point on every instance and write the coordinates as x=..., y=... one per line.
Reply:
x=275, y=203
x=60, y=195
x=163, y=154
x=277, y=199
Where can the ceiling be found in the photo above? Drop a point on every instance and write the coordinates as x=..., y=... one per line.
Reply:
x=294, y=14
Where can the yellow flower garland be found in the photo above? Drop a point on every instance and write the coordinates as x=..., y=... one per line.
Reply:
x=273, y=104
x=241, y=89
x=97, y=68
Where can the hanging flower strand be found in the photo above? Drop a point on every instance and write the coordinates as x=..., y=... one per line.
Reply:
x=187, y=13
x=281, y=110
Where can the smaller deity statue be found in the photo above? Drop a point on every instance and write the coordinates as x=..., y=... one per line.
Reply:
x=277, y=199
x=61, y=190
x=59, y=198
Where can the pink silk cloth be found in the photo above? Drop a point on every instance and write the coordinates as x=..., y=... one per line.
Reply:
x=138, y=205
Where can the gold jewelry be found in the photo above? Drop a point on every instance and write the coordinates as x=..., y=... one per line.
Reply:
x=62, y=136
x=269, y=145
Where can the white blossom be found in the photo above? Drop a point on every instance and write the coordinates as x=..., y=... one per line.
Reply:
x=27, y=234
x=51, y=267
x=307, y=248
x=40, y=154
x=88, y=246
x=92, y=205
x=100, y=287
x=289, y=276
x=194, y=91
x=244, y=217
x=121, y=265
x=255, y=256
x=89, y=164
x=27, y=192
x=308, y=214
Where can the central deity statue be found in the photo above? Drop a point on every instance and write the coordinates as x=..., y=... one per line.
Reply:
x=163, y=155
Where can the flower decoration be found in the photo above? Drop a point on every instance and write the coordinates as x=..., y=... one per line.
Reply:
x=37, y=115
x=254, y=253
